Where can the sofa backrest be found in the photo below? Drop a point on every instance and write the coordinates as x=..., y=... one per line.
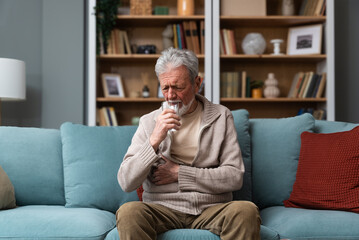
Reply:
x=32, y=158
x=322, y=126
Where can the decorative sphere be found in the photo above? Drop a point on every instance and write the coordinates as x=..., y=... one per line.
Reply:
x=254, y=43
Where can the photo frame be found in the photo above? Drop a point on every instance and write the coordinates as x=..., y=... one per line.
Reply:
x=112, y=85
x=159, y=92
x=305, y=40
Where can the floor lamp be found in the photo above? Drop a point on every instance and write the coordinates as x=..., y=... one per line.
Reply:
x=12, y=80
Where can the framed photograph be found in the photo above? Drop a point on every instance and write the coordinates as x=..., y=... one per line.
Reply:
x=305, y=40
x=112, y=85
x=159, y=92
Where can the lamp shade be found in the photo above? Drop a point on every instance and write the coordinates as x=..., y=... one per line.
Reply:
x=12, y=79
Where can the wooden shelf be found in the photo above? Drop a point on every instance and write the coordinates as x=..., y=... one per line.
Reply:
x=154, y=20
x=132, y=100
x=271, y=21
x=135, y=56
x=269, y=57
x=281, y=99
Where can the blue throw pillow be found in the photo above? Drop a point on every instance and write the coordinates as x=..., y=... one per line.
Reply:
x=92, y=157
x=275, y=153
x=241, y=122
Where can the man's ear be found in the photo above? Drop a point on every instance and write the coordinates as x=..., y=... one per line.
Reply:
x=197, y=82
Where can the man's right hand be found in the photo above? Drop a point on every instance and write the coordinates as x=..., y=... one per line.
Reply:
x=167, y=120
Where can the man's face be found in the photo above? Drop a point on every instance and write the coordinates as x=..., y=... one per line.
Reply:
x=176, y=85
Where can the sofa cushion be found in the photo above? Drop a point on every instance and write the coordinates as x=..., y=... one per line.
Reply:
x=92, y=157
x=7, y=193
x=322, y=126
x=32, y=158
x=241, y=122
x=180, y=234
x=195, y=234
x=327, y=175
x=275, y=153
x=55, y=222
x=295, y=223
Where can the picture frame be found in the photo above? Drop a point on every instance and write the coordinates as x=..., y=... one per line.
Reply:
x=159, y=92
x=305, y=40
x=112, y=85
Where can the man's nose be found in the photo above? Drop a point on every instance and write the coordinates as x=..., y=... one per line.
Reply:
x=171, y=93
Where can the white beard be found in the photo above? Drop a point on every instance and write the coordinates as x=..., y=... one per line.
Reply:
x=184, y=109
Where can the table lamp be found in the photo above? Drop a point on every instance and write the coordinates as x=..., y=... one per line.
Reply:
x=12, y=80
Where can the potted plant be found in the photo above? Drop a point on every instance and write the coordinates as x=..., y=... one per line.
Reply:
x=106, y=15
x=256, y=88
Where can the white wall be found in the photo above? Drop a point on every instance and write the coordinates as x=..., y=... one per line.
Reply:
x=49, y=36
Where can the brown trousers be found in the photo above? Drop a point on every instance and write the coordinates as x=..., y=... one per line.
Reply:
x=231, y=221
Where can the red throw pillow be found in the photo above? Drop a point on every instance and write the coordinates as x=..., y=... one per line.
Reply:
x=328, y=172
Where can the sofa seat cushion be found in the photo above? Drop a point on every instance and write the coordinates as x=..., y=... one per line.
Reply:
x=176, y=234
x=196, y=234
x=297, y=223
x=55, y=222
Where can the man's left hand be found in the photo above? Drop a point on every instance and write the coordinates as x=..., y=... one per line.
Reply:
x=165, y=173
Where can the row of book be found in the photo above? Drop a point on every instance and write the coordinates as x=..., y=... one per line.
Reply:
x=235, y=84
x=227, y=42
x=118, y=43
x=187, y=35
x=313, y=8
x=318, y=114
x=106, y=116
x=308, y=85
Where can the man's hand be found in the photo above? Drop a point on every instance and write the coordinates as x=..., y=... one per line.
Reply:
x=167, y=120
x=166, y=173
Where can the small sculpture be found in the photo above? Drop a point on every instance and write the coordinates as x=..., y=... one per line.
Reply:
x=276, y=43
x=167, y=35
x=287, y=8
x=271, y=90
x=254, y=43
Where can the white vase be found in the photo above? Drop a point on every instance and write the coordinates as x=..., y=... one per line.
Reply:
x=254, y=43
x=271, y=90
x=287, y=8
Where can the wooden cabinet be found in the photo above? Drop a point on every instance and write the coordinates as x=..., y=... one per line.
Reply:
x=275, y=26
x=138, y=69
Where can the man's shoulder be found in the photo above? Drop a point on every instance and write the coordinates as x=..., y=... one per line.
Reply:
x=150, y=117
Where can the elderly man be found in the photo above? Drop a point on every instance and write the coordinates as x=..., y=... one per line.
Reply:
x=188, y=174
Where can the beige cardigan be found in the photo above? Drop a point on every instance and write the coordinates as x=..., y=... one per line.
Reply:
x=215, y=172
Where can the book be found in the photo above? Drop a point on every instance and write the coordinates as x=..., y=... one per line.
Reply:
x=179, y=36
x=311, y=85
x=188, y=35
x=195, y=37
x=127, y=42
x=232, y=41
x=202, y=36
x=321, y=86
x=175, y=38
x=183, y=40
x=293, y=85
x=222, y=47
x=244, y=84
x=113, y=116
x=226, y=42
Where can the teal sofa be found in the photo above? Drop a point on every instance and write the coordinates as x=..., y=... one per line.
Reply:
x=66, y=187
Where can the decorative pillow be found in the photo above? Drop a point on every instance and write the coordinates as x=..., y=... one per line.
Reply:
x=7, y=193
x=327, y=176
x=92, y=157
x=275, y=153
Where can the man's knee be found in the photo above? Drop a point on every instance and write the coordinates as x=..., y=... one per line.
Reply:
x=245, y=210
x=130, y=211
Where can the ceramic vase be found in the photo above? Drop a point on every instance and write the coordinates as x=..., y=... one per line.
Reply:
x=254, y=43
x=185, y=7
x=271, y=90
